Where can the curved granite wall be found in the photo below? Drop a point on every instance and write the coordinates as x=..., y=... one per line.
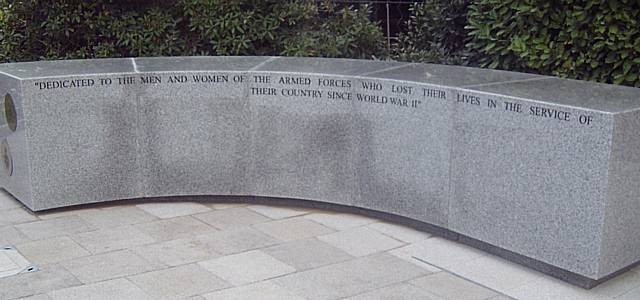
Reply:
x=534, y=165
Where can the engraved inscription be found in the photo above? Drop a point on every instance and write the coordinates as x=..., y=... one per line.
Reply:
x=391, y=94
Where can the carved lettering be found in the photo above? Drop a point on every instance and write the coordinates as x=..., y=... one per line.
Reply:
x=368, y=85
x=469, y=99
x=65, y=84
x=338, y=90
x=210, y=78
x=295, y=80
x=552, y=113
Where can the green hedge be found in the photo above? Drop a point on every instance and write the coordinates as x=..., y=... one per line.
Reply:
x=587, y=39
x=584, y=39
x=42, y=29
x=435, y=33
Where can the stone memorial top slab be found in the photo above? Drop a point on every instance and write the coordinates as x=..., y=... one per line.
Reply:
x=326, y=66
x=198, y=63
x=578, y=94
x=43, y=69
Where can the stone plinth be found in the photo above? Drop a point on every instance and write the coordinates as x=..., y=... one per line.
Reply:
x=536, y=169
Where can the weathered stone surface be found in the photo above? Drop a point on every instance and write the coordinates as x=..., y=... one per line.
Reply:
x=541, y=167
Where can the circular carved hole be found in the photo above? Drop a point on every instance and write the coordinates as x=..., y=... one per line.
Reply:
x=10, y=112
x=7, y=160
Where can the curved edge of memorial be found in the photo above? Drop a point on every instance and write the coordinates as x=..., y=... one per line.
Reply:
x=540, y=167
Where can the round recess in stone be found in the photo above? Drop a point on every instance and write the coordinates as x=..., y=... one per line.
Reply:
x=7, y=160
x=10, y=112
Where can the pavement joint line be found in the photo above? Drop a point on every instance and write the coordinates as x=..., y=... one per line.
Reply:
x=80, y=245
x=397, y=283
x=393, y=237
x=136, y=285
x=461, y=277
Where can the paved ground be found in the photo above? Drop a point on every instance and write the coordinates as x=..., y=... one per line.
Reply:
x=235, y=251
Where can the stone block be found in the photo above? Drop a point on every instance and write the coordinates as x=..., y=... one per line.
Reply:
x=536, y=169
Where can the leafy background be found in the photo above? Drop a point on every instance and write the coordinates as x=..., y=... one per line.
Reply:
x=582, y=39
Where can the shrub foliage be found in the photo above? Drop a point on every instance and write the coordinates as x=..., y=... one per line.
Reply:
x=435, y=33
x=42, y=29
x=582, y=39
x=585, y=39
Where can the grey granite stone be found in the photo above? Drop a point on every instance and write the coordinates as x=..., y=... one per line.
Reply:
x=578, y=94
x=540, y=167
x=60, y=68
x=15, y=173
x=452, y=76
x=621, y=221
x=194, y=137
x=530, y=184
x=316, y=65
x=302, y=147
x=198, y=63
x=82, y=142
x=403, y=163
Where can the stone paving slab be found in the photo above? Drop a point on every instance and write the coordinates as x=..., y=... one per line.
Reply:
x=223, y=206
x=65, y=212
x=449, y=286
x=339, y=221
x=399, y=232
x=9, y=235
x=120, y=289
x=439, y=252
x=495, y=272
x=179, y=282
x=13, y=216
x=236, y=240
x=111, y=239
x=307, y=254
x=397, y=292
x=248, y=267
x=7, y=201
x=265, y=290
x=107, y=266
x=176, y=228
x=54, y=227
x=293, y=229
x=117, y=216
x=631, y=295
x=350, y=278
x=166, y=210
x=232, y=218
x=37, y=297
x=361, y=241
x=267, y=257
x=176, y=252
x=277, y=212
x=48, y=278
x=52, y=250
